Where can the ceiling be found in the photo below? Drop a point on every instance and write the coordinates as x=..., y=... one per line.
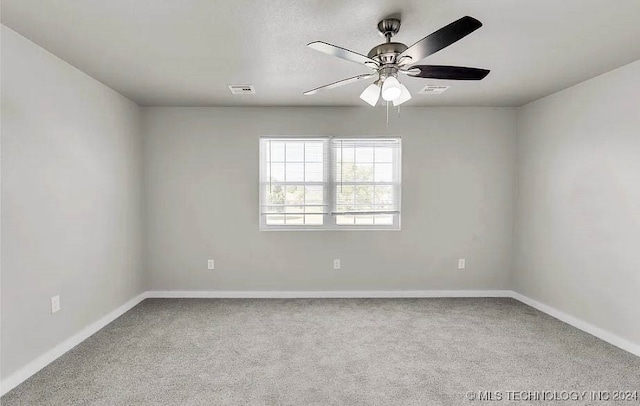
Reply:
x=185, y=52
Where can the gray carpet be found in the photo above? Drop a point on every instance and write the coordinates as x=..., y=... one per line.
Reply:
x=328, y=352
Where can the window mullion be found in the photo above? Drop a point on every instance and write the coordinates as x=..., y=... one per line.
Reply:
x=328, y=186
x=304, y=183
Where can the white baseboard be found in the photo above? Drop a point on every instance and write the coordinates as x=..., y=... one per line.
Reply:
x=580, y=324
x=36, y=365
x=48, y=357
x=334, y=294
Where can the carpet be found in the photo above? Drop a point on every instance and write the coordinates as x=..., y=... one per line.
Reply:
x=333, y=352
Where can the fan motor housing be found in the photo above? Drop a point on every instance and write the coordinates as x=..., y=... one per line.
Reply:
x=387, y=52
x=389, y=27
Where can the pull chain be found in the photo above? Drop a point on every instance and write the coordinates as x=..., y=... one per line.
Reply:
x=387, y=114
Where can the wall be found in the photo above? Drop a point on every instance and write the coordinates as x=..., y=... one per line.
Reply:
x=201, y=173
x=578, y=210
x=71, y=200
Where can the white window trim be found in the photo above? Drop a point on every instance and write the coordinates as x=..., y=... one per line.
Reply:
x=329, y=223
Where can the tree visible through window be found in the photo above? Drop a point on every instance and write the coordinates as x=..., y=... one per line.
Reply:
x=329, y=183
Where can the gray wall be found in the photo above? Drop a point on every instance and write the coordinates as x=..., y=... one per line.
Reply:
x=201, y=173
x=71, y=200
x=578, y=211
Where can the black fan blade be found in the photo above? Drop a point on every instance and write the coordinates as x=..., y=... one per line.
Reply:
x=447, y=72
x=343, y=53
x=442, y=38
x=340, y=83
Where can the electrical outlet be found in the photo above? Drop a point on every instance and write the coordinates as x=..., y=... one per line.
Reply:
x=55, y=304
x=462, y=263
x=211, y=264
x=336, y=264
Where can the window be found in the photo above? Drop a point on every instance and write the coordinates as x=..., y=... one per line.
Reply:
x=293, y=183
x=330, y=183
x=366, y=182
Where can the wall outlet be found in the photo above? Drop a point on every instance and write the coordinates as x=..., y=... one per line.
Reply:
x=55, y=304
x=462, y=263
x=336, y=264
x=211, y=264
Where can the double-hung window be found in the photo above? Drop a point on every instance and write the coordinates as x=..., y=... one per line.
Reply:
x=319, y=183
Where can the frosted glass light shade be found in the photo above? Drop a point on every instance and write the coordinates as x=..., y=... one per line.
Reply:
x=371, y=94
x=391, y=89
x=405, y=95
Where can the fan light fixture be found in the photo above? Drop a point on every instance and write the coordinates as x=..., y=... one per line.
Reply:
x=371, y=94
x=395, y=92
x=391, y=89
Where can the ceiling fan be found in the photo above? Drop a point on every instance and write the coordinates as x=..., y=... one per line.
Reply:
x=389, y=59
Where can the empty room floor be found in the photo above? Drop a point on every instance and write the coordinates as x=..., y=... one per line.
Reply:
x=327, y=352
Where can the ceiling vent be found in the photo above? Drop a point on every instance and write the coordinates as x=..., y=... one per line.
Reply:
x=242, y=89
x=433, y=89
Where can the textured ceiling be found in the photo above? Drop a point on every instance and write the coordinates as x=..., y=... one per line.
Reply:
x=185, y=52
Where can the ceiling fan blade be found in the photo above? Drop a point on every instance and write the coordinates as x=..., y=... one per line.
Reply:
x=446, y=72
x=442, y=38
x=340, y=83
x=343, y=53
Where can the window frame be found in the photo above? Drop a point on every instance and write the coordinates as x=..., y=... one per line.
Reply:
x=329, y=218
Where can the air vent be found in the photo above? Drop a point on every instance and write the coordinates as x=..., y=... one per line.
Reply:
x=432, y=89
x=242, y=89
